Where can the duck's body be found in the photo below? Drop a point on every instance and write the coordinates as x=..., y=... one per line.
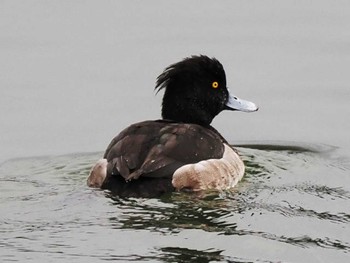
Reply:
x=181, y=151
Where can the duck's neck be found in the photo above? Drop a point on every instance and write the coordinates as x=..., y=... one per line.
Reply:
x=189, y=111
x=186, y=116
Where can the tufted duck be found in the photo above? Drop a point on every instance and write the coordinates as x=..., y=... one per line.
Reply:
x=182, y=150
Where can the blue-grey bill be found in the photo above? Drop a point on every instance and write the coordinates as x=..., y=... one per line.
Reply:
x=235, y=103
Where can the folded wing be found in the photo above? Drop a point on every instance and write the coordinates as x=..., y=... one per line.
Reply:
x=157, y=148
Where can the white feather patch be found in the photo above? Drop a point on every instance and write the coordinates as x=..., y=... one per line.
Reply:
x=98, y=174
x=217, y=174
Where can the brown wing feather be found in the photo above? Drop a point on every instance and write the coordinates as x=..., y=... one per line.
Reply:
x=158, y=148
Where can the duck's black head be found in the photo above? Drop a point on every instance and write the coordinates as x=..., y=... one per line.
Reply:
x=195, y=91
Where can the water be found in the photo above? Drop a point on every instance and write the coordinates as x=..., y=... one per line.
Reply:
x=73, y=74
x=286, y=209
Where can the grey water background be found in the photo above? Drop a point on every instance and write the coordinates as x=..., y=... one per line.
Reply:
x=74, y=73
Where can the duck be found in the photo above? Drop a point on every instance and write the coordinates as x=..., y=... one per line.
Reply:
x=181, y=151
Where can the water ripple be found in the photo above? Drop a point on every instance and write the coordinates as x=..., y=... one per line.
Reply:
x=292, y=199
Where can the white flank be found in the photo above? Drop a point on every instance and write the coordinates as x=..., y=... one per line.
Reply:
x=98, y=174
x=217, y=174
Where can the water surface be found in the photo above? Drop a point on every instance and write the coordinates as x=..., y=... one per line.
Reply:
x=292, y=206
x=75, y=73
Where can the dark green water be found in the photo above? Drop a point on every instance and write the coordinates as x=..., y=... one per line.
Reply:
x=292, y=206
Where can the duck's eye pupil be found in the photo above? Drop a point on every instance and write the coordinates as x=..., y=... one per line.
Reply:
x=215, y=84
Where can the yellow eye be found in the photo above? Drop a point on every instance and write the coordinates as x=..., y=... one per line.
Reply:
x=215, y=84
